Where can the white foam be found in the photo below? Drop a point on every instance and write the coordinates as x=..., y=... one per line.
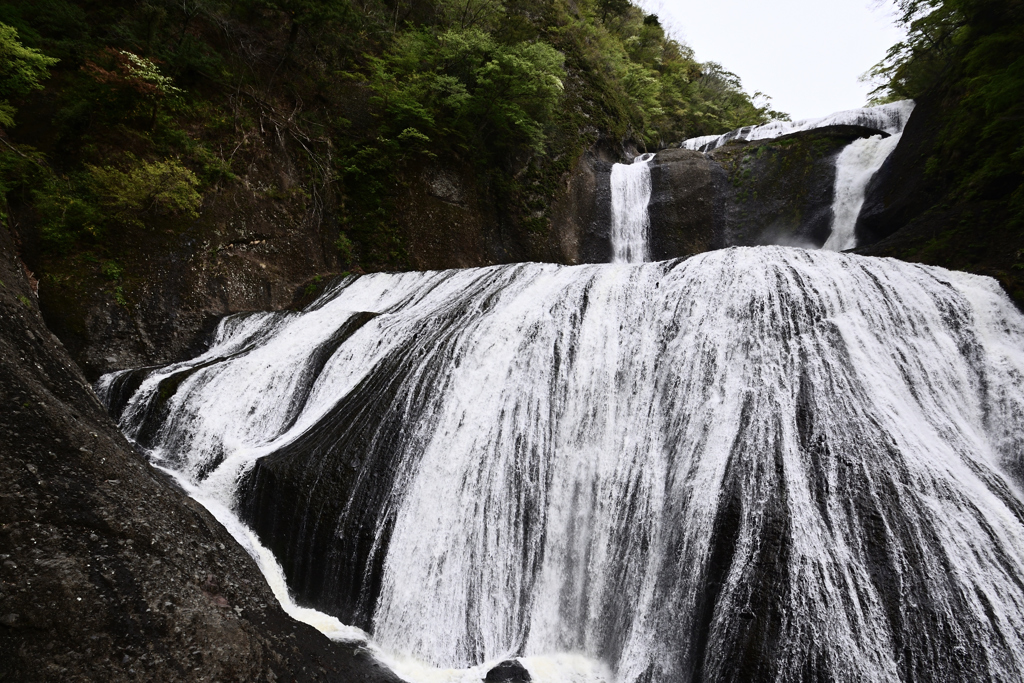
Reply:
x=631, y=193
x=579, y=430
x=855, y=167
x=888, y=118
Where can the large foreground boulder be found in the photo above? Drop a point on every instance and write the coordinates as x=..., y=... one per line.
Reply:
x=108, y=572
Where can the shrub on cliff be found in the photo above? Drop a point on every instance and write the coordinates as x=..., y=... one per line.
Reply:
x=22, y=70
x=87, y=205
x=465, y=85
x=146, y=188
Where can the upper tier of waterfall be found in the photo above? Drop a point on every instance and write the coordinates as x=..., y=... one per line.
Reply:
x=631, y=192
x=855, y=166
x=754, y=464
x=888, y=118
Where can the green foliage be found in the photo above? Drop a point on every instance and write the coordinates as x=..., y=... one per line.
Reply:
x=313, y=286
x=112, y=271
x=968, y=55
x=307, y=13
x=86, y=205
x=465, y=14
x=653, y=83
x=129, y=70
x=614, y=8
x=67, y=212
x=146, y=188
x=345, y=248
x=22, y=70
x=465, y=85
x=21, y=167
x=912, y=66
x=156, y=102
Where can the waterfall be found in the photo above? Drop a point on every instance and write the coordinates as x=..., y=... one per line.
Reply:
x=752, y=464
x=888, y=118
x=855, y=166
x=631, y=193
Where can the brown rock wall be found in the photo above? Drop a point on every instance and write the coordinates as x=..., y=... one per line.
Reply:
x=108, y=572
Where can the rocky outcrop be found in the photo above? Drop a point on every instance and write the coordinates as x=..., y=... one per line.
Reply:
x=267, y=239
x=743, y=194
x=454, y=218
x=258, y=240
x=899, y=191
x=109, y=572
x=509, y=671
x=782, y=189
x=689, y=195
x=581, y=216
x=448, y=220
x=916, y=216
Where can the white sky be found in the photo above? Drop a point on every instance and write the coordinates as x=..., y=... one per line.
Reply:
x=806, y=54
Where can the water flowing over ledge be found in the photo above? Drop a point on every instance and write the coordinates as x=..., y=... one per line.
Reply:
x=855, y=166
x=759, y=463
x=888, y=118
x=631, y=193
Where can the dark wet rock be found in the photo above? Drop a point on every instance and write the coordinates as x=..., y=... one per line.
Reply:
x=582, y=214
x=454, y=218
x=688, y=204
x=899, y=192
x=781, y=191
x=747, y=193
x=509, y=671
x=109, y=572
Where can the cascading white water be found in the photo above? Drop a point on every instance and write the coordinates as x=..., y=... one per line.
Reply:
x=631, y=193
x=754, y=464
x=889, y=118
x=855, y=166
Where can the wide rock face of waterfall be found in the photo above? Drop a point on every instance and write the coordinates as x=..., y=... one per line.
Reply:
x=797, y=183
x=754, y=464
x=772, y=191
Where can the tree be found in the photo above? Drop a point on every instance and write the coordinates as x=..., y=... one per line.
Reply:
x=914, y=65
x=136, y=78
x=465, y=14
x=303, y=13
x=21, y=71
x=468, y=84
x=616, y=8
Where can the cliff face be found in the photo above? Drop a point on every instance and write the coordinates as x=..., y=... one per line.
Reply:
x=899, y=192
x=452, y=217
x=689, y=193
x=256, y=242
x=743, y=194
x=916, y=215
x=266, y=240
x=109, y=572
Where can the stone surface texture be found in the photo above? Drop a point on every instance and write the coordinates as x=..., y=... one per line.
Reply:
x=108, y=572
